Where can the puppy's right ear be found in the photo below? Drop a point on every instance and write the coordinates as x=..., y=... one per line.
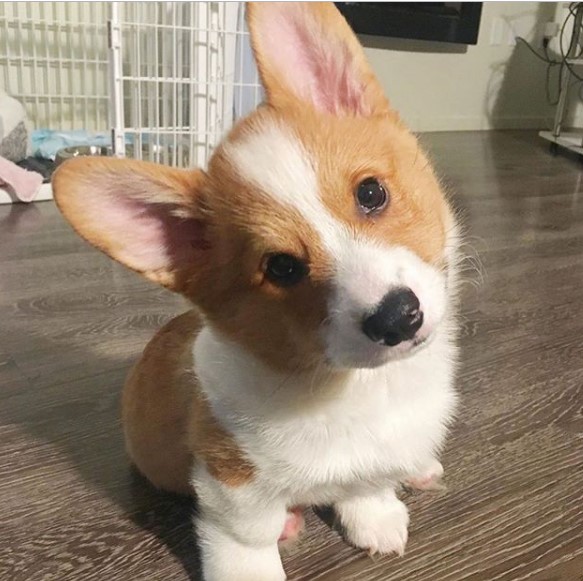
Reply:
x=307, y=53
x=144, y=215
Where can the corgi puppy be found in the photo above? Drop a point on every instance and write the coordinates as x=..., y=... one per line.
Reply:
x=319, y=253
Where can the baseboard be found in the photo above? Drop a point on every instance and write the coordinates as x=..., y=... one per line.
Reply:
x=45, y=193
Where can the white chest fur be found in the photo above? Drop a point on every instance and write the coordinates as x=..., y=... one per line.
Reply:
x=312, y=438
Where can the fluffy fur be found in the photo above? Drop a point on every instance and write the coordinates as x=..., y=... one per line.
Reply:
x=265, y=398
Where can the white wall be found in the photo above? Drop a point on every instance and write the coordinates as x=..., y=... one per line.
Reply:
x=489, y=86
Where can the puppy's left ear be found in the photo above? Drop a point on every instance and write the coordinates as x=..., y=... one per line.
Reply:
x=307, y=53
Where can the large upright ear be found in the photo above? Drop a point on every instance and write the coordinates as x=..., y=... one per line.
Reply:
x=306, y=51
x=142, y=214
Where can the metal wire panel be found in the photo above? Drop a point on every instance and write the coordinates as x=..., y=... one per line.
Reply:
x=183, y=75
x=54, y=59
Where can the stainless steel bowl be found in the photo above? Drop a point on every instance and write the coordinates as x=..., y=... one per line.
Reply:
x=81, y=150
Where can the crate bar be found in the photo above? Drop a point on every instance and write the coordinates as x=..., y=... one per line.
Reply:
x=116, y=81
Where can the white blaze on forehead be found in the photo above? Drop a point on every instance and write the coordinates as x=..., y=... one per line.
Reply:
x=274, y=161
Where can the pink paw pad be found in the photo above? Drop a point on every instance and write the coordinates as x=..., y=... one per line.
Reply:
x=430, y=480
x=294, y=524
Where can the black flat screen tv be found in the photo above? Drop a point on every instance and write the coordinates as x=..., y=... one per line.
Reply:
x=456, y=22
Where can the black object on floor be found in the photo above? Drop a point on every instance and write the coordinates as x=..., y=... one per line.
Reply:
x=45, y=167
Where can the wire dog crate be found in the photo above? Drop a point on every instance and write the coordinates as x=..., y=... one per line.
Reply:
x=181, y=73
x=167, y=79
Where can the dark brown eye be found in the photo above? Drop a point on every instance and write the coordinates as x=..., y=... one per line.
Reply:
x=285, y=270
x=371, y=195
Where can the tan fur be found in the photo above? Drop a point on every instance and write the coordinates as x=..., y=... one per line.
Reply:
x=348, y=150
x=167, y=421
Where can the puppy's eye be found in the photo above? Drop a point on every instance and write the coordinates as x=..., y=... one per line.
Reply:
x=284, y=269
x=371, y=195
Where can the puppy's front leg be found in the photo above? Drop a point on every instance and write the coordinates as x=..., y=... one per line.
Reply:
x=377, y=524
x=429, y=478
x=238, y=529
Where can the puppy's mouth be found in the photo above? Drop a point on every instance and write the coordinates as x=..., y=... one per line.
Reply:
x=408, y=348
x=405, y=345
x=420, y=343
x=379, y=354
x=415, y=343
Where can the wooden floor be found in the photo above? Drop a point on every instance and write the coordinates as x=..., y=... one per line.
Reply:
x=72, y=321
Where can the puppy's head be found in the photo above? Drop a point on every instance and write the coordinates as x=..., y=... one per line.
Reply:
x=319, y=233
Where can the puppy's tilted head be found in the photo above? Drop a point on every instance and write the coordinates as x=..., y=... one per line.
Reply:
x=318, y=234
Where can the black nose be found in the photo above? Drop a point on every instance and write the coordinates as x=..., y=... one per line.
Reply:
x=396, y=319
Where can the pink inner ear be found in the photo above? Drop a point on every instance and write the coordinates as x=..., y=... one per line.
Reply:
x=315, y=65
x=146, y=236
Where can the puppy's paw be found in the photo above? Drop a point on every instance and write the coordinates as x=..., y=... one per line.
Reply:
x=294, y=525
x=377, y=525
x=428, y=479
